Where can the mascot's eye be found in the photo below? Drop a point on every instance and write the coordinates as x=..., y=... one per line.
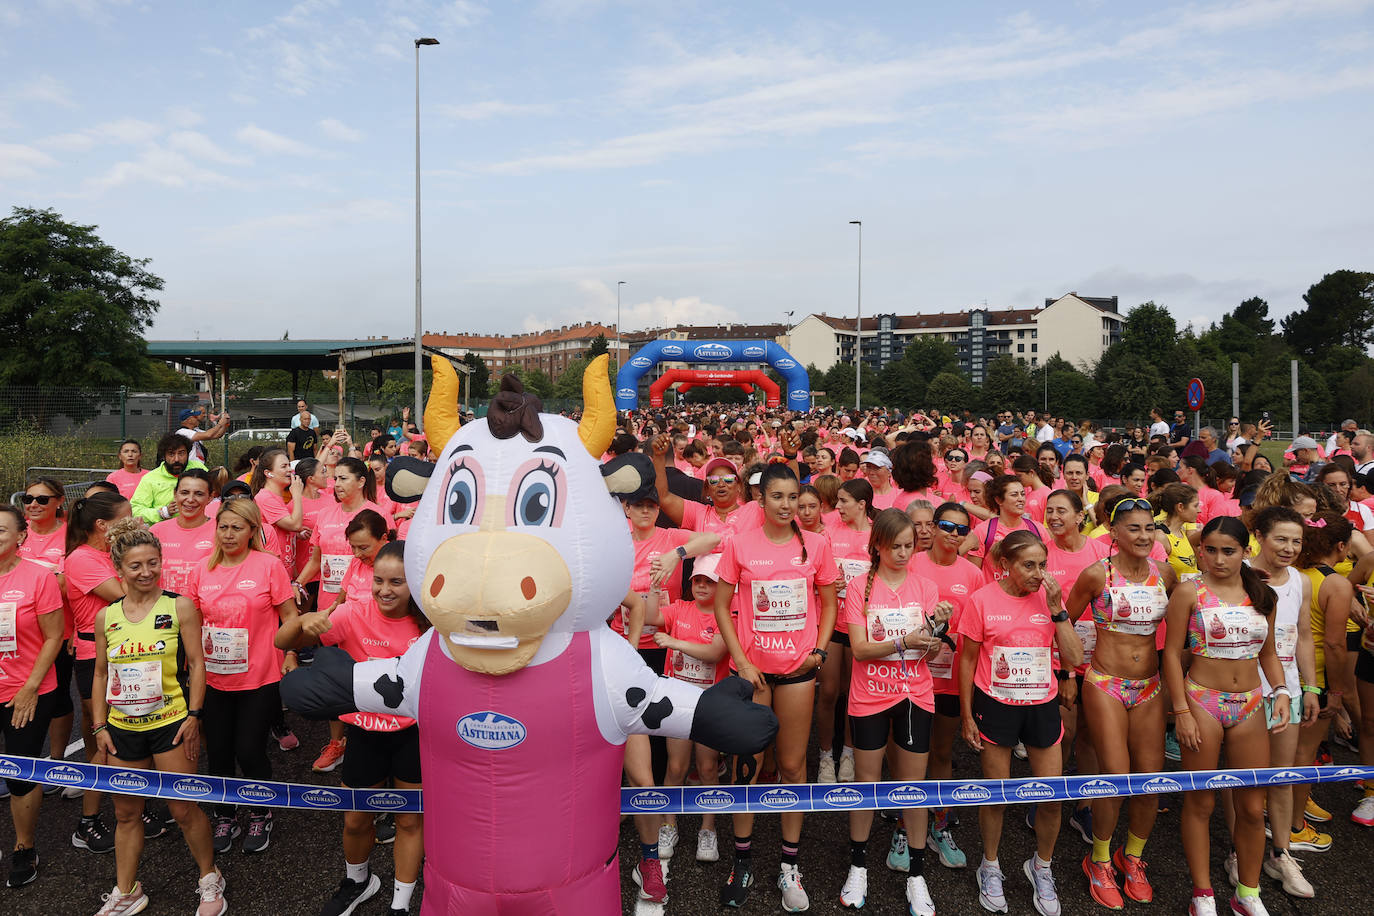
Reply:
x=460, y=502
x=536, y=498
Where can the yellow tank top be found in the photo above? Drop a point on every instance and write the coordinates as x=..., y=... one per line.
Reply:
x=141, y=678
x=1181, y=555
x=1317, y=575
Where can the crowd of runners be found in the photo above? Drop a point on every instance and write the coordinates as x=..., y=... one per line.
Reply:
x=890, y=584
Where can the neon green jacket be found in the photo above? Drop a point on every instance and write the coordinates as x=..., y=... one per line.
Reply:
x=156, y=490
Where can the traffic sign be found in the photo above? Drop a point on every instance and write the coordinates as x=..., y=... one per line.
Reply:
x=1195, y=394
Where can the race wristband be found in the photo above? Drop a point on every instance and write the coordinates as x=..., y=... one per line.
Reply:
x=1309, y=688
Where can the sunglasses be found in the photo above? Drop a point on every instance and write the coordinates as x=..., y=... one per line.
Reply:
x=945, y=524
x=41, y=500
x=955, y=456
x=1130, y=505
x=716, y=481
x=1076, y=441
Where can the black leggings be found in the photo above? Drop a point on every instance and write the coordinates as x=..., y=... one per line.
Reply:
x=235, y=725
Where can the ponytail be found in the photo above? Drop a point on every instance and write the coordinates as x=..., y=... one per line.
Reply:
x=101, y=506
x=861, y=491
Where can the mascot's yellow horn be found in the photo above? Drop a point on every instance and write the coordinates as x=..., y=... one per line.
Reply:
x=597, y=428
x=441, y=410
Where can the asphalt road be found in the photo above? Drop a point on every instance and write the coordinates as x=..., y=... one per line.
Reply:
x=304, y=863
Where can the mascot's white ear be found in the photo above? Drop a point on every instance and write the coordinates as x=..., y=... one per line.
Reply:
x=406, y=479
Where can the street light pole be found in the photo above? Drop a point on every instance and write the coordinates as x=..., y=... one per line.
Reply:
x=859, y=323
x=417, y=415
x=619, y=283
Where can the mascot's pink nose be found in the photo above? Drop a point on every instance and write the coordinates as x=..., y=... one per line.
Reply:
x=527, y=588
x=436, y=586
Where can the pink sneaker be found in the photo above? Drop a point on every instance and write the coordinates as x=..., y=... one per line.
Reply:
x=211, y=891
x=329, y=757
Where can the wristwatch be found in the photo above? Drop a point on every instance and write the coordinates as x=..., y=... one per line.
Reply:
x=195, y=713
x=822, y=653
x=681, y=552
x=1060, y=616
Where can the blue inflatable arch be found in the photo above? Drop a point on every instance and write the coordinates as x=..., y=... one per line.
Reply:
x=795, y=380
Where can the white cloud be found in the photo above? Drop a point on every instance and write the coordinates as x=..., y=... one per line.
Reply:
x=19, y=161
x=361, y=211
x=43, y=90
x=598, y=304
x=461, y=14
x=493, y=108
x=158, y=166
x=202, y=147
x=265, y=141
x=125, y=131
x=337, y=130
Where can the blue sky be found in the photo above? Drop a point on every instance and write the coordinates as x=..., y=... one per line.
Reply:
x=709, y=154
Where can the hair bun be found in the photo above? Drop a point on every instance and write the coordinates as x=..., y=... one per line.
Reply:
x=125, y=527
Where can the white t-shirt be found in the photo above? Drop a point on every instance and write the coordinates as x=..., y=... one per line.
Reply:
x=1159, y=429
x=1044, y=433
x=196, y=450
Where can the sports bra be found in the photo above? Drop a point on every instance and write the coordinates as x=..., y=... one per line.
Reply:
x=1217, y=630
x=1133, y=608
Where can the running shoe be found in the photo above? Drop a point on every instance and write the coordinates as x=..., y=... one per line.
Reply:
x=1046, y=897
x=736, y=890
x=1082, y=821
x=1308, y=840
x=210, y=889
x=845, y=772
x=4, y=788
x=899, y=853
x=1173, y=752
x=23, y=867
x=92, y=834
x=329, y=758
x=918, y=899
x=1232, y=870
x=854, y=894
x=667, y=841
x=1351, y=744
x=648, y=874
x=350, y=895
x=1020, y=751
x=708, y=848
x=1133, y=880
x=226, y=831
x=794, y=899
x=1248, y=906
x=1286, y=870
x=825, y=770
x=384, y=828
x=951, y=856
x=153, y=826
x=990, y=894
x=1102, y=883
x=1315, y=812
x=1030, y=817
x=71, y=792
x=286, y=739
x=1203, y=905
x=259, y=835
x=1364, y=812
x=117, y=904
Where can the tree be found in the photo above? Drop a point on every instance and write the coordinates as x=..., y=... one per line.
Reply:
x=1132, y=384
x=481, y=375
x=538, y=383
x=951, y=391
x=569, y=384
x=900, y=385
x=1007, y=384
x=1340, y=310
x=598, y=347
x=928, y=356
x=73, y=309
x=160, y=376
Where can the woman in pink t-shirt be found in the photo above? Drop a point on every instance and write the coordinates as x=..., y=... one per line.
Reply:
x=30, y=640
x=1037, y=490
x=1006, y=496
x=277, y=491
x=894, y=618
x=381, y=749
x=355, y=489
x=1008, y=684
x=721, y=485
x=130, y=472
x=786, y=578
x=187, y=537
x=46, y=541
x=318, y=493
x=243, y=594
x=90, y=584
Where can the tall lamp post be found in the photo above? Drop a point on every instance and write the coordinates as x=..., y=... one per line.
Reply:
x=619, y=283
x=859, y=323
x=418, y=415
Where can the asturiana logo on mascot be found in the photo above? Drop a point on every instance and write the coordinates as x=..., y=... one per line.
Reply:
x=649, y=800
x=491, y=731
x=907, y=795
x=844, y=797
x=128, y=781
x=192, y=788
x=779, y=798
x=711, y=351
x=714, y=798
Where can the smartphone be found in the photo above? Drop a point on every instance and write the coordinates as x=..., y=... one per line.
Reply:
x=1265, y=416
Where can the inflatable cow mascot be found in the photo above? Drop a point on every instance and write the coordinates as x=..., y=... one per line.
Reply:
x=517, y=554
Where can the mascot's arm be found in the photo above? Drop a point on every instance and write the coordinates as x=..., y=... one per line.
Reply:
x=335, y=684
x=723, y=717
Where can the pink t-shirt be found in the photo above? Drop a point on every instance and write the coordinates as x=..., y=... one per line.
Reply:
x=702, y=518
x=878, y=683
x=660, y=541
x=238, y=607
x=1035, y=503
x=850, y=548
x=905, y=498
x=999, y=530
x=1209, y=505
x=27, y=592
x=778, y=614
x=955, y=583
x=48, y=549
x=357, y=581
x=280, y=542
x=335, y=551
x=886, y=500
x=183, y=549
x=1065, y=567
x=310, y=513
x=1016, y=637
x=86, y=569
x=126, y=482
x=364, y=632
x=684, y=620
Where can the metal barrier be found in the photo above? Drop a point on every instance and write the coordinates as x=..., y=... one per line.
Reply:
x=75, y=488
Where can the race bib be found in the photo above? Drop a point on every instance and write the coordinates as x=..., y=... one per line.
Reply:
x=1233, y=632
x=9, y=628
x=1138, y=609
x=333, y=568
x=226, y=650
x=850, y=569
x=1286, y=642
x=1087, y=634
x=1021, y=675
x=941, y=665
x=692, y=670
x=889, y=624
x=779, y=605
x=135, y=688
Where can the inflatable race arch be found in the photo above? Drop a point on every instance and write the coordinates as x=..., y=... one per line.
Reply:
x=798, y=395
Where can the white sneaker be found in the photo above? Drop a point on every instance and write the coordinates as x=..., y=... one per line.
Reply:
x=1364, y=812
x=825, y=772
x=667, y=841
x=846, y=772
x=1232, y=872
x=708, y=849
x=1203, y=906
x=1046, y=897
x=855, y=891
x=210, y=889
x=794, y=899
x=1019, y=751
x=1248, y=906
x=1285, y=869
x=990, y=893
x=918, y=897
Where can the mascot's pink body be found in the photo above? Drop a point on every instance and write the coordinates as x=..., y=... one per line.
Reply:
x=517, y=554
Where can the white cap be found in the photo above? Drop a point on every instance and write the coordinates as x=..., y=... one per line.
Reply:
x=706, y=566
